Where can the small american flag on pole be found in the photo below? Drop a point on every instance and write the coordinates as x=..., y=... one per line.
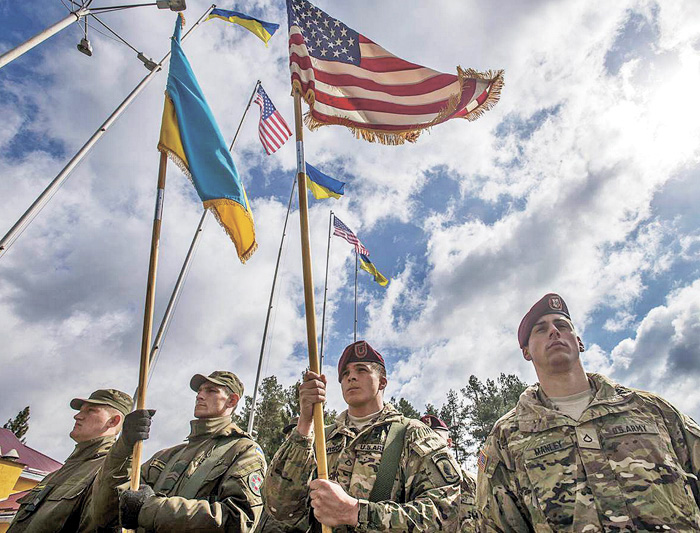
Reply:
x=341, y=230
x=350, y=80
x=272, y=129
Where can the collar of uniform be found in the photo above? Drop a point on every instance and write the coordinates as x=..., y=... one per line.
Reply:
x=387, y=415
x=535, y=411
x=202, y=428
x=92, y=448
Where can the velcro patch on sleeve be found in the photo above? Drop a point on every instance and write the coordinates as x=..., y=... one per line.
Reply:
x=255, y=481
x=482, y=460
x=447, y=466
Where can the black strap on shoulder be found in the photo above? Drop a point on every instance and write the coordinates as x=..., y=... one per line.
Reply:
x=389, y=464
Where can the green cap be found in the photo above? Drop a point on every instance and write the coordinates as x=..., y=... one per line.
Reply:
x=121, y=401
x=219, y=377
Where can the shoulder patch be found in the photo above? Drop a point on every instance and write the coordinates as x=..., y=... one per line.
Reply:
x=446, y=465
x=260, y=452
x=255, y=481
x=482, y=460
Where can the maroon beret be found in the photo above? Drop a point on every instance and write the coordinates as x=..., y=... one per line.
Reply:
x=549, y=304
x=359, y=352
x=434, y=422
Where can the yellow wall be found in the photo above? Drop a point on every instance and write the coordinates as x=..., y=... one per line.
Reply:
x=9, y=474
x=24, y=484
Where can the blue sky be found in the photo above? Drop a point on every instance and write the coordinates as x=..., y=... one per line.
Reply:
x=583, y=180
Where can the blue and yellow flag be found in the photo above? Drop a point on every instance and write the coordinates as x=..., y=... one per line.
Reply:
x=368, y=266
x=190, y=137
x=322, y=186
x=264, y=30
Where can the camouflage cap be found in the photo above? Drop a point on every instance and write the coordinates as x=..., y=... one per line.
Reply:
x=219, y=377
x=549, y=304
x=121, y=401
x=359, y=352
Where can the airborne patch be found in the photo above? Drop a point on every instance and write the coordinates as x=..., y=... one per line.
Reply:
x=446, y=466
x=255, y=481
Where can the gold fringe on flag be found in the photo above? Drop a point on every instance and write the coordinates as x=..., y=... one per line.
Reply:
x=395, y=138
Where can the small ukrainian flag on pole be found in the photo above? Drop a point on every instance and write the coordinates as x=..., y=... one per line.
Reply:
x=264, y=30
x=321, y=185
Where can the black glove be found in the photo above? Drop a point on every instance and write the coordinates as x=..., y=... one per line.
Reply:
x=130, y=503
x=137, y=425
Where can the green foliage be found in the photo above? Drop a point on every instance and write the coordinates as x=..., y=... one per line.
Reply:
x=486, y=403
x=430, y=409
x=452, y=413
x=469, y=413
x=405, y=408
x=19, y=425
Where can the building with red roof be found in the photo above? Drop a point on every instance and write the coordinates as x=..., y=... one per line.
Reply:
x=21, y=469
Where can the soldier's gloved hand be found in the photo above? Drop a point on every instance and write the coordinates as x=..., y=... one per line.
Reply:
x=130, y=503
x=137, y=425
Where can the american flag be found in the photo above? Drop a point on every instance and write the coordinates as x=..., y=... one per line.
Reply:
x=348, y=79
x=341, y=230
x=272, y=129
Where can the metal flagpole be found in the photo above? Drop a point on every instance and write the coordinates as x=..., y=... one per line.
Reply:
x=250, y=101
x=29, y=215
x=325, y=288
x=167, y=316
x=251, y=418
x=40, y=37
x=355, y=330
x=319, y=433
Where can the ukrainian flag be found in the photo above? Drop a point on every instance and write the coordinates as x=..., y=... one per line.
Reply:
x=367, y=266
x=323, y=186
x=190, y=137
x=264, y=30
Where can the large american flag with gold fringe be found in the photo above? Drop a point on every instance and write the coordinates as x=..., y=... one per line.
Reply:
x=348, y=79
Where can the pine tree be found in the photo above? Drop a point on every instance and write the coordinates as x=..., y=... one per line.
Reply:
x=486, y=403
x=19, y=425
x=405, y=408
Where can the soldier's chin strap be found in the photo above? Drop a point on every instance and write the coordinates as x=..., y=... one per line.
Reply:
x=389, y=464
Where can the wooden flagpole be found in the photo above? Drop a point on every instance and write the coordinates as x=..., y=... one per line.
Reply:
x=148, y=316
x=319, y=429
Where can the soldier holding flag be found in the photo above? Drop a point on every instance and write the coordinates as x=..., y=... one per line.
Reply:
x=386, y=472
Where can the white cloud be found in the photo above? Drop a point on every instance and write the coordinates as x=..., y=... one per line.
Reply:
x=570, y=161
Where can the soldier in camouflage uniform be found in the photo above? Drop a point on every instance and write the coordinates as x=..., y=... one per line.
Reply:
x=423, y=494
x=62, y=501
x=267, y=524
x=210, y=483
x=580, y=453
x=468, y=514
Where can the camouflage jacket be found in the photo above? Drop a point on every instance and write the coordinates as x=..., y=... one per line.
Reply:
x=62, y=501
x=267, y=524
x=425, y=493
x=628, y=464
x=468, y=513
x=227, y=499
